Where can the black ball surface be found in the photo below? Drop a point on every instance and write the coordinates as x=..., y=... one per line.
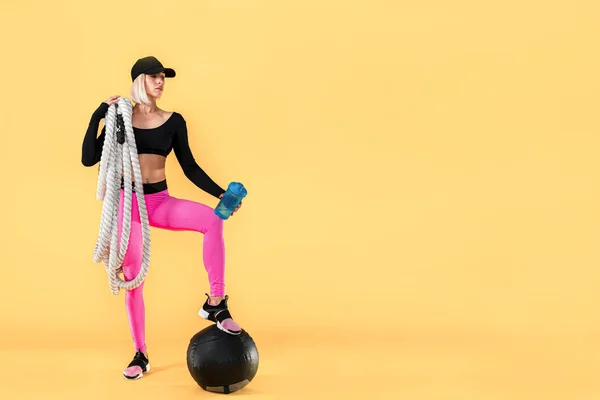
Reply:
x=220, y=362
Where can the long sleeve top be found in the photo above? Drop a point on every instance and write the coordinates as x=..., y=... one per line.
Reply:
x=171, y=135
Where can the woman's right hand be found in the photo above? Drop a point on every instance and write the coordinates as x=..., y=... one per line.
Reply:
x=112, y=100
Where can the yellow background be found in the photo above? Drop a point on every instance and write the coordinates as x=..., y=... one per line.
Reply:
x=422, y=219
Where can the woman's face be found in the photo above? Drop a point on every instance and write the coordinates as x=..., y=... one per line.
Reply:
x=155, y=84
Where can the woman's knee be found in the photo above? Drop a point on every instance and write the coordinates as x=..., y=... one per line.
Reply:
x=216, y=223
x=136, y=291
x=132, y=265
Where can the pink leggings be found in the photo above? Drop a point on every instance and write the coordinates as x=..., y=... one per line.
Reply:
x=167, y=212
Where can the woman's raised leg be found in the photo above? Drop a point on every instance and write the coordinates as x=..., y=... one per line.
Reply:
x=176, y=214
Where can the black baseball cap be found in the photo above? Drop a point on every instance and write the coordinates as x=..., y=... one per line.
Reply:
x=149, y=66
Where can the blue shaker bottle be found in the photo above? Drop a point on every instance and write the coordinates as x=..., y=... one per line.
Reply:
x=231, y=198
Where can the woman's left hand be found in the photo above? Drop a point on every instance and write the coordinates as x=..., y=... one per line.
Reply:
x=237, y=208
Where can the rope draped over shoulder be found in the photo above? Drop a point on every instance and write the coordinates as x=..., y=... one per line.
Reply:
x=119, y=158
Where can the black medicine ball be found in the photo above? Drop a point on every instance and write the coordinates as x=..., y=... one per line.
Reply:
x=220, y=362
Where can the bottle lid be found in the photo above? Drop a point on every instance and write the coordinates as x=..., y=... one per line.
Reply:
x=238, y=189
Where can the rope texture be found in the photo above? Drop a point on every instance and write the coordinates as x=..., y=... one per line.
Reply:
x=120, y=159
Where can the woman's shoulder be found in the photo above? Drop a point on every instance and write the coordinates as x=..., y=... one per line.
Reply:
x=175, y=120
x=173, y=115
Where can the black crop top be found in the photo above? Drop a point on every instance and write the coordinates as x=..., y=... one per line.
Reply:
x=172, y=135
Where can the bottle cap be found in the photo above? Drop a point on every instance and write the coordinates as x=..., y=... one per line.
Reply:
x=238, y=189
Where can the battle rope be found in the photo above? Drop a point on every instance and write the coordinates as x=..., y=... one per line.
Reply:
x=119, y=154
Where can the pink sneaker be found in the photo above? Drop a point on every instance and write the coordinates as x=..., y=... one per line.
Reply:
x=221, y=315
x=137, y=367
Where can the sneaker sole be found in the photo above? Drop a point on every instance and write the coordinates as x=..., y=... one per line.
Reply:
x=228, y=331
x=203, y=313
x=135, y=378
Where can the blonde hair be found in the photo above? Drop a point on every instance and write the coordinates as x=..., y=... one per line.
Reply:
x=138, y=90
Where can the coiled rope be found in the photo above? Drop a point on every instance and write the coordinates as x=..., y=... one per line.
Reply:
x=119, y=158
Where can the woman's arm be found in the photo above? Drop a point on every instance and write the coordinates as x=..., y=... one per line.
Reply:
x=91, y=149
x=190, y=167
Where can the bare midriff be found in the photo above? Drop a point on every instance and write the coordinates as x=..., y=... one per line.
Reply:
x=152, y=167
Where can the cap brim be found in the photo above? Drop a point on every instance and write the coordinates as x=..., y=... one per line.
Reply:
x=169, y=72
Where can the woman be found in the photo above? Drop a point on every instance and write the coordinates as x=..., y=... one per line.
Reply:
x=157, y=132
